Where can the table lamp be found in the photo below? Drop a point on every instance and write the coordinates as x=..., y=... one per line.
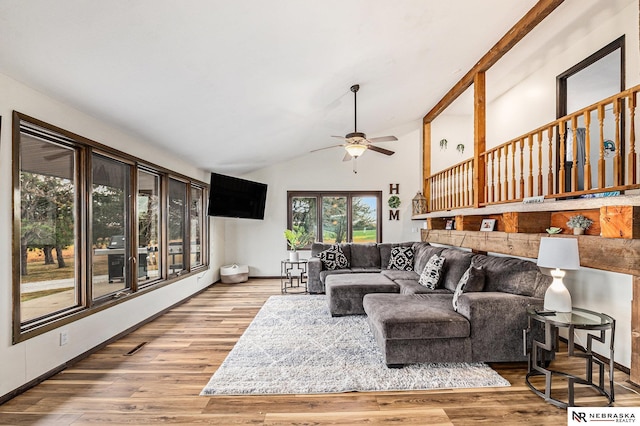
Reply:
x=561, y=254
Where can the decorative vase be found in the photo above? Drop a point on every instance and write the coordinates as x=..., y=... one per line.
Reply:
x=293, y=256
x=578, y=231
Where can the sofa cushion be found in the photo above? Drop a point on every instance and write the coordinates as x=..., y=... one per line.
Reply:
x=394, y=274
x=412, y=287
x=385, y=251
x=334, y=258
x=358, y=270
x=430, y=276
x=401, y=258
x=456, y=264
x=326, y=272
x=472, y=281
x=345, y=293
x=422, y=252
x=508, y=274
x=417, y=316
x=365, y=256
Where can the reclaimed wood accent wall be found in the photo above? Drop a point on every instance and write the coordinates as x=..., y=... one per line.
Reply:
x=608, y=254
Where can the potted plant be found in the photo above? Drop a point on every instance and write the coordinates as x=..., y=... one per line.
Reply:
x=579, y=223
x=297, y=238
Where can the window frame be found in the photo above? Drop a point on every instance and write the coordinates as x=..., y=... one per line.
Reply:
x=160, y=249
x=319, y=195
x=85, y=305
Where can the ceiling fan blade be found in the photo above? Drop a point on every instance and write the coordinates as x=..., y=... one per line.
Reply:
x=339, y=137
x=347, y=157
x=380, y=150
x=383, y=139
x=326, y=147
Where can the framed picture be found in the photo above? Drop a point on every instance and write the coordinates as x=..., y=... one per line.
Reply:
x=450, y=224
x=488, y=224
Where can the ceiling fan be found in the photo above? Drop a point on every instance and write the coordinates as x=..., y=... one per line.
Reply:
x=356, y=143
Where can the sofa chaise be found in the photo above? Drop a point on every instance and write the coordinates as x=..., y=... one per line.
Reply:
x=414, y=323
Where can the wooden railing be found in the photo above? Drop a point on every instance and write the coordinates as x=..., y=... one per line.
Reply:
x=452, y=188
x=597, y=143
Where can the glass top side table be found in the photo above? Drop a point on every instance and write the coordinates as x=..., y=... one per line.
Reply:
x=595, y=325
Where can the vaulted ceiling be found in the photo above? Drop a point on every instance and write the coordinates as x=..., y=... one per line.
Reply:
x=234, y=85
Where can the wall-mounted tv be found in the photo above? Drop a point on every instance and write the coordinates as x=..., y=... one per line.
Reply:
x=234, y=197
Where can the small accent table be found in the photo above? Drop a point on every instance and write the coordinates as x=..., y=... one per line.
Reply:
x=291, y=282
x=577, y=319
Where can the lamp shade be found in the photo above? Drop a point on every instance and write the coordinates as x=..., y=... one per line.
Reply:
x=561, y=253
x=356, y=149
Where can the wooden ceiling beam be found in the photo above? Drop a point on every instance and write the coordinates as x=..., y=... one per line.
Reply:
x=528, y=22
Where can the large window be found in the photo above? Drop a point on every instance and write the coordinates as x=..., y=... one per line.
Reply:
x=111, y=260
x=48, y=227
x=177, y=213
x=336, y=217
x=195, y=232
x=149, y=248
x=92, y=225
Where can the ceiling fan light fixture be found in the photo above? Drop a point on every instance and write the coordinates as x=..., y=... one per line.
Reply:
x=355, y=149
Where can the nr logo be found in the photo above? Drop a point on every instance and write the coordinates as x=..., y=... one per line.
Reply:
x=579, y=417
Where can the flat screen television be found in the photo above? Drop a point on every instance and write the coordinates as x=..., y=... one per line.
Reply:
x=234, y=197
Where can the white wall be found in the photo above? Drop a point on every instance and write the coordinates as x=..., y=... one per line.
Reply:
x=456, y=129
x=261, y=243
x=455, y=124
x=521, y=95
x=521, y=87
x=28, y=360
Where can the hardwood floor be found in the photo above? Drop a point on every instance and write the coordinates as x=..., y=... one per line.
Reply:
x=161, y=382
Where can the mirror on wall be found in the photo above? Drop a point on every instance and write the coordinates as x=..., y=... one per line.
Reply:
x=595, y=78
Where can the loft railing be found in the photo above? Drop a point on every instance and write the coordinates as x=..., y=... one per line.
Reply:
x=597, y=143
x=452, y=188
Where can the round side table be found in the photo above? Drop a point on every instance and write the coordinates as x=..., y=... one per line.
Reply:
x=596, y=326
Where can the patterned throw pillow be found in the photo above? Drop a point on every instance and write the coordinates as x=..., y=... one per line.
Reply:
x=471, y=281
x=430, y=276
x=334, y=258
x=401, y=258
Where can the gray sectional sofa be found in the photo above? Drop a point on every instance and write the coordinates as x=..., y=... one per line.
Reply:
x=412, y=323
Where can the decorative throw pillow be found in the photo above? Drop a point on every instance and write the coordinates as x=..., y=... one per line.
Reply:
x=401, y=258
x=430, y=276
x=334, y=258
x=471, y=281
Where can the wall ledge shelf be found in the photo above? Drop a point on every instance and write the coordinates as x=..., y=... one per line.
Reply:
x=630, y=198
x=608, y=254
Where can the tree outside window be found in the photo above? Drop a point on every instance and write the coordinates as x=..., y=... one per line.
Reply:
x=344, y=216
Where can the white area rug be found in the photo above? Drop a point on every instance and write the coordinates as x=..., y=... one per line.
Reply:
x=294, y=346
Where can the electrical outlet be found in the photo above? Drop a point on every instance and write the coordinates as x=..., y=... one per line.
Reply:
x=64, y=337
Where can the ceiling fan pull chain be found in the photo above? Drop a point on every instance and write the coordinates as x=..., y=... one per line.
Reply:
x=355, y=165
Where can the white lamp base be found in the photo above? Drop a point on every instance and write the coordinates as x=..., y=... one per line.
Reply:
x=557, y=297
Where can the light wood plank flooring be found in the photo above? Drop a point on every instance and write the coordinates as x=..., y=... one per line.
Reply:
x=160, y=383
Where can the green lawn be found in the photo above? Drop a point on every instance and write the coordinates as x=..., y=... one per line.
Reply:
x=368, y=236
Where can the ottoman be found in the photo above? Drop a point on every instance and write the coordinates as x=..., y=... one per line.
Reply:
x=418, y=328
x=346, y=291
